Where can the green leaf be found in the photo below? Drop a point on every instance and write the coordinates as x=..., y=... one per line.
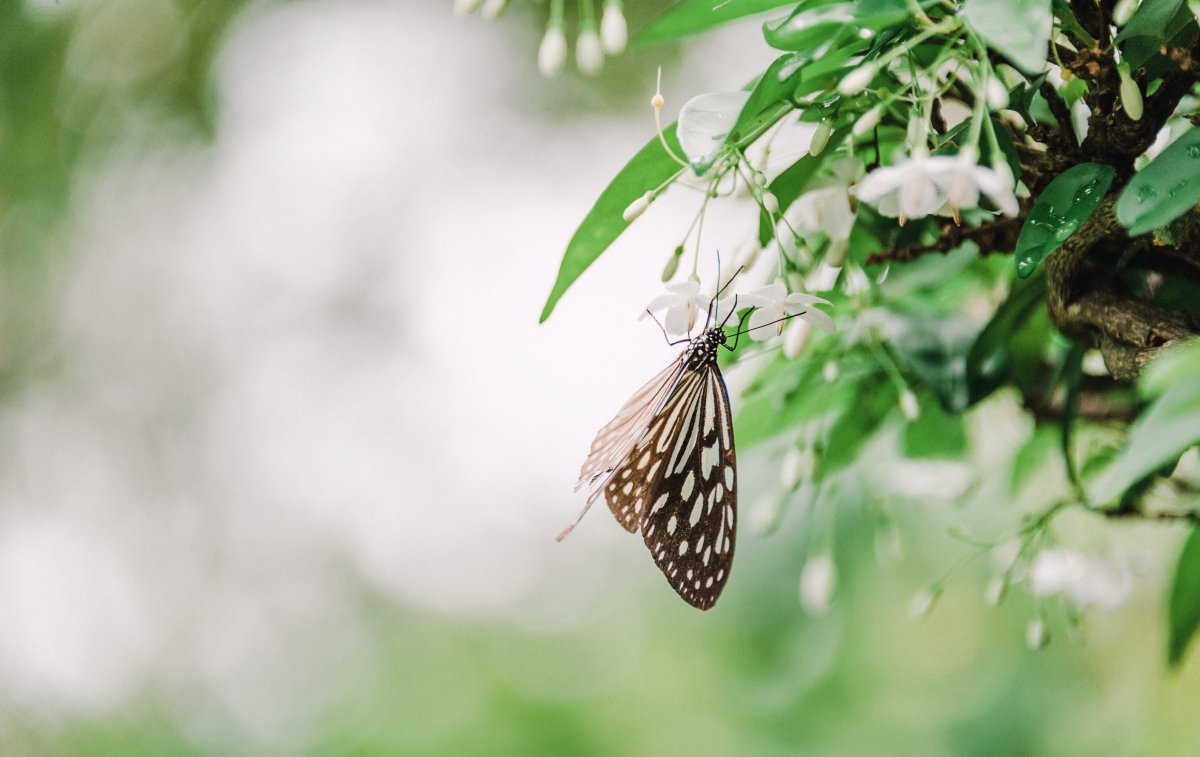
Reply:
x=1165, y=189
x=604, y=223
x=1060, y=210
x=1167, y=428
x=694, y=16
x=935, y=434
x=1017, y=29
x=989, y=360
x=807, y=31
x=1183, y=606
x=775, y=85
x=1150, y=19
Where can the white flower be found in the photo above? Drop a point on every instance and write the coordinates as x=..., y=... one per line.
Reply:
x=613, y=31
x=825, y=209
x=772, y=304
x=552, y=53
x=817, y=582
x=797, y=466
x=961, y=178
x=857, y=80
x=905, y=190
x=909, y=405
x=589, y=54
x=686, y=306
x=993, y=593
x=1086, y=580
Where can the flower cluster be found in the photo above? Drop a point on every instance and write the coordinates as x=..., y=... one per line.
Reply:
x=592, y=43
x=925, y=184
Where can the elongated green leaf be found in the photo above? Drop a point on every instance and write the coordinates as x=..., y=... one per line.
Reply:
x=775, y=85
x=694, y=16
x=1183, y=607
x=1165, y=430
x=989, y=359
x=1150, y=19
x=604, y=223
x=1165, y=189
x=1017, y=29
x=811, y=30
x=1060, y=210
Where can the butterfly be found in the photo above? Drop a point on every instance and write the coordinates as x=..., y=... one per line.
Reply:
x=666, y=466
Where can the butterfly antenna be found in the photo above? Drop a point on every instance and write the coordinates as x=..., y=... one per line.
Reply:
x=661, y=328
x=772, y=323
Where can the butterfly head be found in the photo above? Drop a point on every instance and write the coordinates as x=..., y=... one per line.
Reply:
x=702, y=351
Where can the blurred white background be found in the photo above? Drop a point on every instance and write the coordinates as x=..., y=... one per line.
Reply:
x=307, y=355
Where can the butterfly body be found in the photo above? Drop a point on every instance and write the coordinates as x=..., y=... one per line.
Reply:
x=666, y=466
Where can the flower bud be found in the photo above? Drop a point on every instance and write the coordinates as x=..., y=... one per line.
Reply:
x=759, y=179
x=1004, y=170
x=857, y=80
x=1131, y=95
x=889, y=547
x=909, y=405
x=997, y=95
x=923, y=602
x=493, y=8
x=770, y=202
x=830, y=371
x=1124, y=11
x=1037, y=636
x=993, y=593
x=837, y=251
x=796, y=337
x=552, y=53
x=867, y=121
x=820, y=137
x=589, y=54
x=465, y=7
x=817, y=583
x=672, y=264
x=614, y=33
x=796, y=467
x=637, y=207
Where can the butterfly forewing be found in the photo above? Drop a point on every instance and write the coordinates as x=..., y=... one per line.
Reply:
x=628, y=489
x=692, y=516
x=614, y=442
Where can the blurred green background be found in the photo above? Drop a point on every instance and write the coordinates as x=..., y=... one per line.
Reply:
x=282, y=452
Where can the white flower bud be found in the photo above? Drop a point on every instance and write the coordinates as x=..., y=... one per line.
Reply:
x=820, y=138
x=997, y=95
x=552, y=53
x=493, y=8
x=924, y=600
x=759, y=179
x=465, y=7
x=867, y=121
x=1131, y=95
x=817, y=583
x=1004, y=171
x=889, y=547
x=770, y=202
x=796, y=337
x=795, y=467
x=765, y=513
x=993, y=593
x=614, y=33
x=909, y=405
x=589, y=55
x=835, y=254
x=637, y=207
x=1124, y=11
x=830, y=371
x=1037, y=636
x=857, y=80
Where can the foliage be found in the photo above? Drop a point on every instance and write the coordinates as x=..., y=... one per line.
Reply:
x=956, y=135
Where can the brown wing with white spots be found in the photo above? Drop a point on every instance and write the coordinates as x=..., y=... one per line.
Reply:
x=692, y=516
x=627, y=490
x=614, y=442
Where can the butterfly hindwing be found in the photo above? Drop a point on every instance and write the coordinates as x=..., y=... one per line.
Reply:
x=692, y=516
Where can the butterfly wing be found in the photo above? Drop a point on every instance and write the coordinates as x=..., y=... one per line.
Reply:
x=614, y=442
x=692, y=498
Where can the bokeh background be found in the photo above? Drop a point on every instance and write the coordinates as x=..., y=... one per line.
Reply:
x=283, y=449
